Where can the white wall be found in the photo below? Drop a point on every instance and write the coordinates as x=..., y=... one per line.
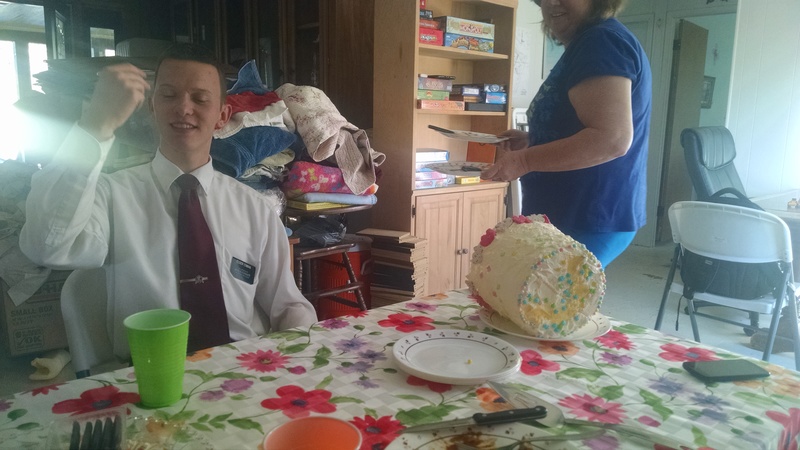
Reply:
x=764, y=114
x=528, y=54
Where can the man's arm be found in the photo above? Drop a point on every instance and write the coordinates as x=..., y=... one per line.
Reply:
x=67, y=224
x=277, y=294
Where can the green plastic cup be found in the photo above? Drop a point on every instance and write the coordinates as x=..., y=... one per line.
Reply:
x=158, y=340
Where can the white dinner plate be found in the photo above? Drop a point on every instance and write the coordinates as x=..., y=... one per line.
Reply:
x=459, y=168
x=472, y=136
x=456, y=356
x=597, y=326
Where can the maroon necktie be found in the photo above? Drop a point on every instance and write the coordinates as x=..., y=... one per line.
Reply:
x=201, y=290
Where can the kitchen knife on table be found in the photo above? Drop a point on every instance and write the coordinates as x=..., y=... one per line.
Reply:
x=509, y=416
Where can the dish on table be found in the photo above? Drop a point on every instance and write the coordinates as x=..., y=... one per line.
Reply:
x=150, y=433
x=456, y=356
x=496, y=436
x=597, y=326
x=459, y=168
x=473, y=136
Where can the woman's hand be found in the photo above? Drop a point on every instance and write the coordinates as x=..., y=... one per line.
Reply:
x=517, y=140
x=510, y=166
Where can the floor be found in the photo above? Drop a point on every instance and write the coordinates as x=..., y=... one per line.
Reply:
x=634, y=285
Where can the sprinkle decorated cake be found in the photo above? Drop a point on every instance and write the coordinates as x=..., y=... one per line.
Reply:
x=532, y=274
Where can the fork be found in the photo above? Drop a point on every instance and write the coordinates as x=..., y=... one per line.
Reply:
x=97, y=435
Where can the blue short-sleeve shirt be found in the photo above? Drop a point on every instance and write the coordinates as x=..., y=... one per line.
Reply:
x=611, y=196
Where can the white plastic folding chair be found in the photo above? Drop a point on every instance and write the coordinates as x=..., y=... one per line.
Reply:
x=83, y=306
x=738, y=234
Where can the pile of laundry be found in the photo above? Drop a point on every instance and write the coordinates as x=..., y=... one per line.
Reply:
x=293, y=143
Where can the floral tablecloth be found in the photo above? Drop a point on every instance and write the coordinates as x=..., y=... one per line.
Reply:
x=344, y=367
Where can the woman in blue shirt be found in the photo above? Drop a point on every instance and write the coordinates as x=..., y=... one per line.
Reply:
x=583, y=163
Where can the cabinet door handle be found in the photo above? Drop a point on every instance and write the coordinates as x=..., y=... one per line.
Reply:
x=458, y=252
x=465, y=251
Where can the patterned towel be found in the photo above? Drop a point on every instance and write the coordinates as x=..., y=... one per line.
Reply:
x=326, y=134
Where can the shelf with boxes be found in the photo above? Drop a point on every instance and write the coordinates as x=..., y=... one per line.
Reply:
x=449, y=215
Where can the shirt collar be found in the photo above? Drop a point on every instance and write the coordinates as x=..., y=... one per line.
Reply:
x=166, y=173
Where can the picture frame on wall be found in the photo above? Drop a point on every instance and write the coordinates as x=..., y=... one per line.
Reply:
x=707, y=92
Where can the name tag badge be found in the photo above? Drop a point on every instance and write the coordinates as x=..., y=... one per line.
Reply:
x=243, y=271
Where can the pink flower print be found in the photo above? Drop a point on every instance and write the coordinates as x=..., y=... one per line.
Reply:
x=296, y=402
x=236, y=385
x=534, y=364
x=432, y=385
x=212, y=396
x=616, y=340
x=677, y=352
x=487, y=238
x=263, y=361
x=407, y=323
x=791, y=426
x=594, y=408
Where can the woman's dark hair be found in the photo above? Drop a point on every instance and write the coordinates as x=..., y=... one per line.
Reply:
x=196, y=53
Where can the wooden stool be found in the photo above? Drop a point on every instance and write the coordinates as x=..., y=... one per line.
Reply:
x=303, y=262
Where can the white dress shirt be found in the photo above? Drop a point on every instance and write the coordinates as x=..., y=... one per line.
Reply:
x=126, y=223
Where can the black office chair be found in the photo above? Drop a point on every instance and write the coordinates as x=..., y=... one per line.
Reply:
x=709, y=153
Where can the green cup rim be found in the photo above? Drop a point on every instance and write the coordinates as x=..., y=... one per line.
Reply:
x=128, y=320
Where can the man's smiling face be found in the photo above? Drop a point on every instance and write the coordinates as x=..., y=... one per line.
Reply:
x=187, y=106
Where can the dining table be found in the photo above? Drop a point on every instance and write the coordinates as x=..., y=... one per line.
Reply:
x=347, y=367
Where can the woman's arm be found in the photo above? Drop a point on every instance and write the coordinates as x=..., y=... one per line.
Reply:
x=603, y=105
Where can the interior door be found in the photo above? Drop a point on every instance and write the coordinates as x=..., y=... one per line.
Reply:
x=683, y=111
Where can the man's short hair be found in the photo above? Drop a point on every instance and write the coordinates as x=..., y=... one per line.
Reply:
x=196, y=53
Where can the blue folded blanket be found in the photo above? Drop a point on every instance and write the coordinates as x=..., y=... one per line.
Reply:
x=243, y=150
x=345, y=199
x=248, y=80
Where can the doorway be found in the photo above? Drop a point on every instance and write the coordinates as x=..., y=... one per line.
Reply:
x=698, y=96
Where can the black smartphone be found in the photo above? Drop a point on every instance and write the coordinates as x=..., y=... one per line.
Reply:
x=725, y=370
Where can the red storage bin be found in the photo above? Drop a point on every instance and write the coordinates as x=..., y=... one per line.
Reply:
x=330, y=275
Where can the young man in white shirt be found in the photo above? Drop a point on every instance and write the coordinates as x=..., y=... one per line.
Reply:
x=126, y=222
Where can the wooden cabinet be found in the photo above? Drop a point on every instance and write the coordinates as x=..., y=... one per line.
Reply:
x=329, y=44
x=321, y=43
x=453, y=224
x=452, y=218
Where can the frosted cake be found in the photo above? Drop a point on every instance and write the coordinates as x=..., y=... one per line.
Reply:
x=542, y=280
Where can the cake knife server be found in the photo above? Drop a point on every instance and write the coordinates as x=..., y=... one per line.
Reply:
x=509, y=416
x=555, y=418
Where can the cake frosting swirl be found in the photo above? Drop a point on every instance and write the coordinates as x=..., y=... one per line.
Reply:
x=542, y=280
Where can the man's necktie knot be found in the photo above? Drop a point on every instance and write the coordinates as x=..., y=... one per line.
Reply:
x=187, y=182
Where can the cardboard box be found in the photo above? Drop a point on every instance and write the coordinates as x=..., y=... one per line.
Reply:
x=430, y=184
x=434, y=83
x=430, y=36
x=480, y=152
x=446, y=105
x=428, y=23
x=468, y=43
x=468, y=180
x=428, y=155
x=36, y=325
x=429, y=94
x=498, y=98
x=485, y=107
x=466, y=27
